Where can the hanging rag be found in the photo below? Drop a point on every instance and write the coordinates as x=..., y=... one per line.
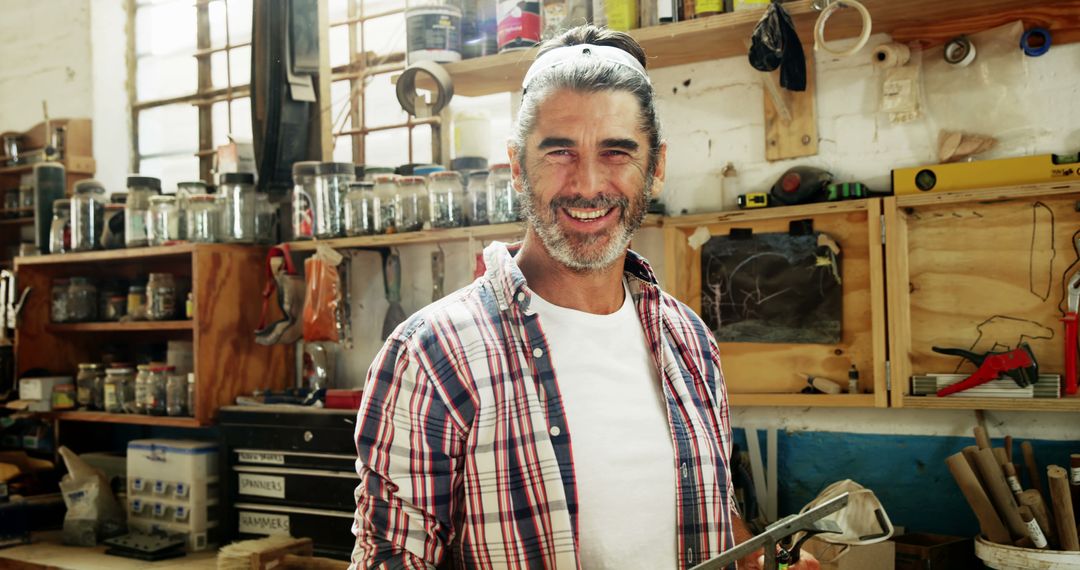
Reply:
x=775, y=43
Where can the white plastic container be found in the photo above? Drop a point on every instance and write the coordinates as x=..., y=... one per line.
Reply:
x=172, y=485
x=472, y=133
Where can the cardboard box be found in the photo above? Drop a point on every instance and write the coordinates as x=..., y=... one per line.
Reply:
x=879, y=556
x=37, y=392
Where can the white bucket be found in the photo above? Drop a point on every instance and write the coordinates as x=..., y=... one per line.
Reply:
x=1004, y=557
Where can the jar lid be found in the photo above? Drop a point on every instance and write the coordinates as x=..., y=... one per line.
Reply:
x=85, y=186
x=140, y=180
x=445, y=174
x=335, y=168
x=386, y=178
x=118, y=198
x=427, y=170
x=143, y=367
x=413, y=180
x=191, y=377
x=61, y=203
x=136, y=288
x=162, y=199
x=469, y=163
x=161, y=276
x=375, y=170
x=361, y=185
x=503, y=166
x=304, y=168
x=192, y=184
x=236, y=178
x=208, y=198
x=159, y=368
x=111, y=371
x=90, y=365
x=478, y=173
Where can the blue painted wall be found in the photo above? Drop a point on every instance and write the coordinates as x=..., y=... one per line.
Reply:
x=907, y=473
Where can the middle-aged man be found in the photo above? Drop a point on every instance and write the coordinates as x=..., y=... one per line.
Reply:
x=561, y=411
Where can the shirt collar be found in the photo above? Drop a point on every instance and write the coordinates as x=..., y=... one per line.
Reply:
x=508, y=281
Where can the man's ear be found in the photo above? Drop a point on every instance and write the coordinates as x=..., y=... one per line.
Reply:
x=660, y=171
x=515, y=167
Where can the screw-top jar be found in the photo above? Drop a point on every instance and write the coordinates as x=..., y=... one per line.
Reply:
x=87, y=215
x=116, y=380
x=191, y=394
x=413, y=206
x=136, y=303
x=176, y=395
x=82, y=303
x=142, y=382
x=477, y=189
x=184, y=191
x=373, y=172
x=163, y=221
x=331, y=184
x=360, y=207
x=303, y=213
x=447, y=200
x=237, y=194
x=156, y=389
x=60, y=228
x=503, y=199
x=386, y=197
x=160, y=297
x=84, y=384
x=203, y=218
x=58, y=303
x=137, y=208
x=265, y=219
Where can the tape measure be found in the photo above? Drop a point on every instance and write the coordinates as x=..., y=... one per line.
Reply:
x=845, y=191
x=752, y=200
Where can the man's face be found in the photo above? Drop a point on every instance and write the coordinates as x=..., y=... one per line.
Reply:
x=585, y=176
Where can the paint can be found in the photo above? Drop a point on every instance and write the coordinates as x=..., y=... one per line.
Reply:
x=519, y=24
x=479, y=29
x=433, y=33
x=561, y=15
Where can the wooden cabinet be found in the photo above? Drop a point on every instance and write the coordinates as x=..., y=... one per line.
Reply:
x=226, y=282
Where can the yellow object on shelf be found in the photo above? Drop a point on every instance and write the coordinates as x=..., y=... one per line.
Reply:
x=986, y=174
x=622, y=15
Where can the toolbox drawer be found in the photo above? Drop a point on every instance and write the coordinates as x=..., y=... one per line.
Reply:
x=294, y=459
x=297, y=487
x=330, y=531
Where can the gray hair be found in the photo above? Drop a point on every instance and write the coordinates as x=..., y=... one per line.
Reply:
x=590, y=75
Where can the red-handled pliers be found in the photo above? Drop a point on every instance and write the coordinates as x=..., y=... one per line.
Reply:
x=1070, y=319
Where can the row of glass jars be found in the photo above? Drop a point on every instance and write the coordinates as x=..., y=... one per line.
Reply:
x=236, y=214
x=78, y=300
x=149, y=389
x=329, y=202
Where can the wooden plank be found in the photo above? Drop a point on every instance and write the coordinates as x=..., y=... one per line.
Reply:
x=133, y=419
x=1070, y=404
x=227, y=281
x=134, y=326
x=803, y=400
x=107, y=256
x=796, y=134
x=898, y=298
x=878, y=326
x=800, y=211
x=1057, y=17
x=990, y=194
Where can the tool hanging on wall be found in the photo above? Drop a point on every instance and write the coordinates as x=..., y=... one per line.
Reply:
x=775, y=43
x=1072, y=292
x=1018, y=364
x=827, y=8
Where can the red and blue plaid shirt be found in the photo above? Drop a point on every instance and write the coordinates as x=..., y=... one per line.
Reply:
x=464, y=454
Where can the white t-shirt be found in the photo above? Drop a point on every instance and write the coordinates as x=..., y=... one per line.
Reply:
x=619, y=434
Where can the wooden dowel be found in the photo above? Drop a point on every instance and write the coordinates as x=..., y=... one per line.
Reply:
x=989, y=522
x=1012, y=479
x=1033, y=500
x=981, y=439
x=969, y=454
x=1009, y=448
x=1061, y=499
x=1032, y=468
x=999, y=492
x=999, y=456
x=1038, y=538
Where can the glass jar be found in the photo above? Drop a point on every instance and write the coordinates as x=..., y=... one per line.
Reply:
x=82, y=302
x=373, y=172
x=160, y=297
x=331, y=184
x=137, y=208
x=447, y=196
x=476, y=188
x=237, y=195
x=58, y=302
x=265, y=219
x=163, y=222
x=156, y=389
x=176, y=395
x=360, y=207
x=503, y=200
x=386, y=197
x=116, y=386
x=413, y=205
x=142, y=377
x=11, y=203
x=112, y=228
x=136, y=303
x=63, y=397
x=98, y=392
x=84, y=384
x=26, y=197
x=303, y=213
x=191, y=394
x=203, y=218
x=87, y=215
x=60, y=228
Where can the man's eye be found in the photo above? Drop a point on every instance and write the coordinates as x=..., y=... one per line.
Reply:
x=559, y=152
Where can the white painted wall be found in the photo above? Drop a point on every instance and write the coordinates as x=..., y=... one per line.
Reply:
x=111, y=112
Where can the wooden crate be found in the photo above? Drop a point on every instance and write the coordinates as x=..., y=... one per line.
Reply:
x=767, y=374
x=226, y=282
x=978, y=270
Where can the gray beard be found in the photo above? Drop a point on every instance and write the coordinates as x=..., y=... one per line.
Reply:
x=561, y=246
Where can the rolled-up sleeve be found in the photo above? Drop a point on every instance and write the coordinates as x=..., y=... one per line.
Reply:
x=408, y=451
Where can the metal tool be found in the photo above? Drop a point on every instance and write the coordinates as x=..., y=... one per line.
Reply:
x=1072, y=290
x=1018, y=364
x=809, y=522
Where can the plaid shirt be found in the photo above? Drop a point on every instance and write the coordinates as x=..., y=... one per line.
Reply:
x=462, y=437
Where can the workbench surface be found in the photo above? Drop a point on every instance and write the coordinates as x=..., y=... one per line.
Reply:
x=46, y=552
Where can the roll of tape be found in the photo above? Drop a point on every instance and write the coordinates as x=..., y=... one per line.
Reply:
x=891, y=55
x=406, y=89
x=1035, y=51
x=960, y=52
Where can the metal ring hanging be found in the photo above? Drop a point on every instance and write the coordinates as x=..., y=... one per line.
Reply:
x=406, y=89
x=819, y=27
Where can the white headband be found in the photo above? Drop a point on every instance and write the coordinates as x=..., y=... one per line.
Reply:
x=561, y=55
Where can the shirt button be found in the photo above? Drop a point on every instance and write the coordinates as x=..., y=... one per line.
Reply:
x=554, y=431
x=520, y=296
x=538, y=352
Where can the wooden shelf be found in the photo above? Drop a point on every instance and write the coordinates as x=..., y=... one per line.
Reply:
x=16, y=221
x=136, y=419
x=803, y=400
x=497, y=231
x=724, y=35
x=985, y=195
x=109, y=255
x=770, y=213
x=135, y=326
x=1070, y=404
x=72, y=165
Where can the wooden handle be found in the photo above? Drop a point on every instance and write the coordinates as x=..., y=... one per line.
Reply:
x=1061, y=498
x=999, y=456
x=1032, y=468
x=999, y=492
x=1009, y=448
x=1035, y=532
x=1012, y=479
x=981, y=439
x=1033, y=500
x=969, y=454
x=989, y=521
x=292, y=561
